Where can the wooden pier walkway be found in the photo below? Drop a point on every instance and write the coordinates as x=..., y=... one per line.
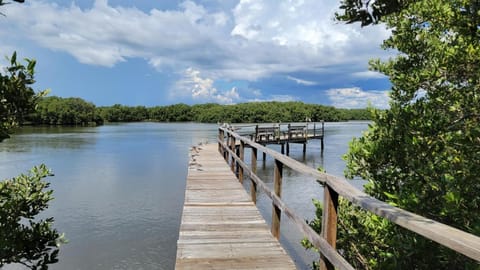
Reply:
x=221, y=227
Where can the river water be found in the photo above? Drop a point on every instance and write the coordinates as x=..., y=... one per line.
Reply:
x=119, y=188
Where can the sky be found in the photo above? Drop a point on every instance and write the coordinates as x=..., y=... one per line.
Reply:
x=146, y=52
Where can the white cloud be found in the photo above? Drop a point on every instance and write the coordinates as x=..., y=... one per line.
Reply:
x=256, y=92
x=280, y=98
x=357, y=98
x=254, y=40
x=196, y=87
x=105, y=35
x=302, y=82
x=368, y=75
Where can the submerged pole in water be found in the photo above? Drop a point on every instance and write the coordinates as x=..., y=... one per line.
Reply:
x=322, y=137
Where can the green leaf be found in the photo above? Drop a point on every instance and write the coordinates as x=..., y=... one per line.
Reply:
x=13, y=59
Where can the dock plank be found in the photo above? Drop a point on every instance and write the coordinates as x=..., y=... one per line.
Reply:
x=221, y=227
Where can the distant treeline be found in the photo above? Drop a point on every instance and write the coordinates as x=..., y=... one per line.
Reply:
x=76, y=111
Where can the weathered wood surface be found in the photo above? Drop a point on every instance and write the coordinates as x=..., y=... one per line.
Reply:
x=287, y=137
x=221, y=227
x=282, y=133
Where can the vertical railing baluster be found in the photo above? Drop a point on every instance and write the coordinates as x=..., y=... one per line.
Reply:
x=227, y=144
x=236, y=166
x=232, y=147
x=221, y=138
x=240, y=168
x=253, y=186
x=277, y=188
x=329, y=223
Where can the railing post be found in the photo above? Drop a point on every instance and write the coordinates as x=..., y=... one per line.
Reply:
x=237, y=169
x=227, y=144
x=253, y=186
x=221, y=138
x=242, y=154
x=232, y=147
x=329, y=223
x=277, y=188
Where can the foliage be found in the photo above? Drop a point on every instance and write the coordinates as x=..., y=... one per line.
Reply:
x=354, y=223
x=17, y=98
x=24, y=239
x=369, y=11
x=76, y=111
x=64, y=111
x=422, y=154
x=254, y=112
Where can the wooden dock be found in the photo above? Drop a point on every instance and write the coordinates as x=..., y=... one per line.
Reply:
x=283, y=134
x=221, y=227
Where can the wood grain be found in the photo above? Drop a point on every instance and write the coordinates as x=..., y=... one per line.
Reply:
x=221, y=227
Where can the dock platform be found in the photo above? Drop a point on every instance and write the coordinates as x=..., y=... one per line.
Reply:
x=283, y=134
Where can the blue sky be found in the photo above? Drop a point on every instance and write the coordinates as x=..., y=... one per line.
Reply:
x=144, y=52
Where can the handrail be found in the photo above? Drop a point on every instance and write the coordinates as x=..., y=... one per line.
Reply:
x=455, y=239
x=283, y=126
x=337, y=260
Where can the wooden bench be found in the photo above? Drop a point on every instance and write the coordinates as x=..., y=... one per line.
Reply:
x=266, y=133
x=297, y=131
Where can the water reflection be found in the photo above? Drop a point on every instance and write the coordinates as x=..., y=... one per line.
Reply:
x=29, y=139
x=118, y=188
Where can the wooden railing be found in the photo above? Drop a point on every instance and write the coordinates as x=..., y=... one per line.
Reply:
x=462, y=242
x=275, y=131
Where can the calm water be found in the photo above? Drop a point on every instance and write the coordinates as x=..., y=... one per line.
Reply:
x=119, y=189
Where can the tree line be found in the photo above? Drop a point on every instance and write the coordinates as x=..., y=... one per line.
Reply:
x=76, y=111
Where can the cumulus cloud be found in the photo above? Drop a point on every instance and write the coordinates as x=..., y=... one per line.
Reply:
x=196, y=87
x=105, y=35
x=254, y=40
x=290, y=23
x=357, y=98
